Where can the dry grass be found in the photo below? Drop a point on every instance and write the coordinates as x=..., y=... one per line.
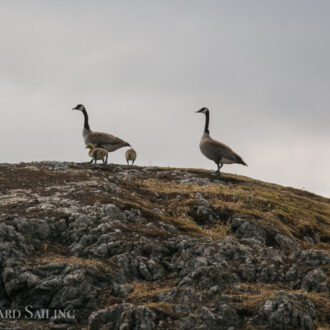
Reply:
x=71, y=260
x=291, y=211
x=249, y=297
x=219, y=231
x=145, y=291
x=161, y=306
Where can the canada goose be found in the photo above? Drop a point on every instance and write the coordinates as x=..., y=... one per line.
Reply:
x=214, y=150
x=97, y=153
x=98, y=139
x=130, y=154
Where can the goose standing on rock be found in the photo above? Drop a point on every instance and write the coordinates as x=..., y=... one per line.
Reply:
x=215, y=150
x=98, y=139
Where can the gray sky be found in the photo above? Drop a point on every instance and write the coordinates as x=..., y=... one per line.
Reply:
x=142, y=68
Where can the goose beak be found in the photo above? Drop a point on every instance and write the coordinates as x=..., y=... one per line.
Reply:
x=200, y=110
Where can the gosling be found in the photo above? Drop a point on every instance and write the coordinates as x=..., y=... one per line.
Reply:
x=97, y=153
x=130, y=155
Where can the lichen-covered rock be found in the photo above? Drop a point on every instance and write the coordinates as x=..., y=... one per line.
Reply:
x=248, y=272
x=13, y=245
x=286, y=243
x=54, y=285
x=243, y=228
x=285, y=311
x=217, y=318
x=113, y=212
x=121, y=290
x=315, y=280
x=313, y=258
x=140, y=267
x=152, y=248
x=122, y=317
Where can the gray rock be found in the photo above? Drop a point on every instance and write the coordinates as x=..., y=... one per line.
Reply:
x=248, y=272
x=137, y=268
x=14, y=282
x=286, y=243
x=207, y=277
x=169, y=228
x=95, y=252
x=122, y=317
x=313, y=258
x=291, y=274
x=214, y=290
x=121, y=290
x=286, y=311
x=243, y=228
x=182, y=309
x=201, y=200
x=113, y=212
x=13, y=245
x=315, y=280
x=82, y=223
x=222, y=317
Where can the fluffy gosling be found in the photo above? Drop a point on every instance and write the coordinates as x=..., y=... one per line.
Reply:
x=130, y=155
x=97, y=154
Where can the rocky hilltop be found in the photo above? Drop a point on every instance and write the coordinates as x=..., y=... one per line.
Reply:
x=118, y=247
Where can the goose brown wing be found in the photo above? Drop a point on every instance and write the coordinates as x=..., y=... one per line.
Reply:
x=221, y=150
x=98, y=138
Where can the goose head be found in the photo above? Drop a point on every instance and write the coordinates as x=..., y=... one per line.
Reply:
x=203, y=110
x=79, y=107
x=89, y=146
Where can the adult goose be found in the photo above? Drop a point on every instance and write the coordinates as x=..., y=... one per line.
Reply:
x=215, y=150
x=98, y=139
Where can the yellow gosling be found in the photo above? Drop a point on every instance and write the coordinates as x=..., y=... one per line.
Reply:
x=130, y=156
x=97, y=153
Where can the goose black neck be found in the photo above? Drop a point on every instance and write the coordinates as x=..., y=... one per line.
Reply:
x=207, y=119
x=86, y=125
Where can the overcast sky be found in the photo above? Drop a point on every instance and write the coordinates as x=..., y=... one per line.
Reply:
x=142, y=69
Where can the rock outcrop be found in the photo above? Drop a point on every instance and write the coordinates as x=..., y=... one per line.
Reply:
x=116, y=247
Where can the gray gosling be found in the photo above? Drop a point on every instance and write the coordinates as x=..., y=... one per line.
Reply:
x=215, y=150
x=98, y=139
x=130, y=155
x=97, y=154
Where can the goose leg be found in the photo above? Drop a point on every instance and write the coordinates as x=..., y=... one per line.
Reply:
x=91, y=161
x=219, y=168
x=217, y=171
x=219, y=165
